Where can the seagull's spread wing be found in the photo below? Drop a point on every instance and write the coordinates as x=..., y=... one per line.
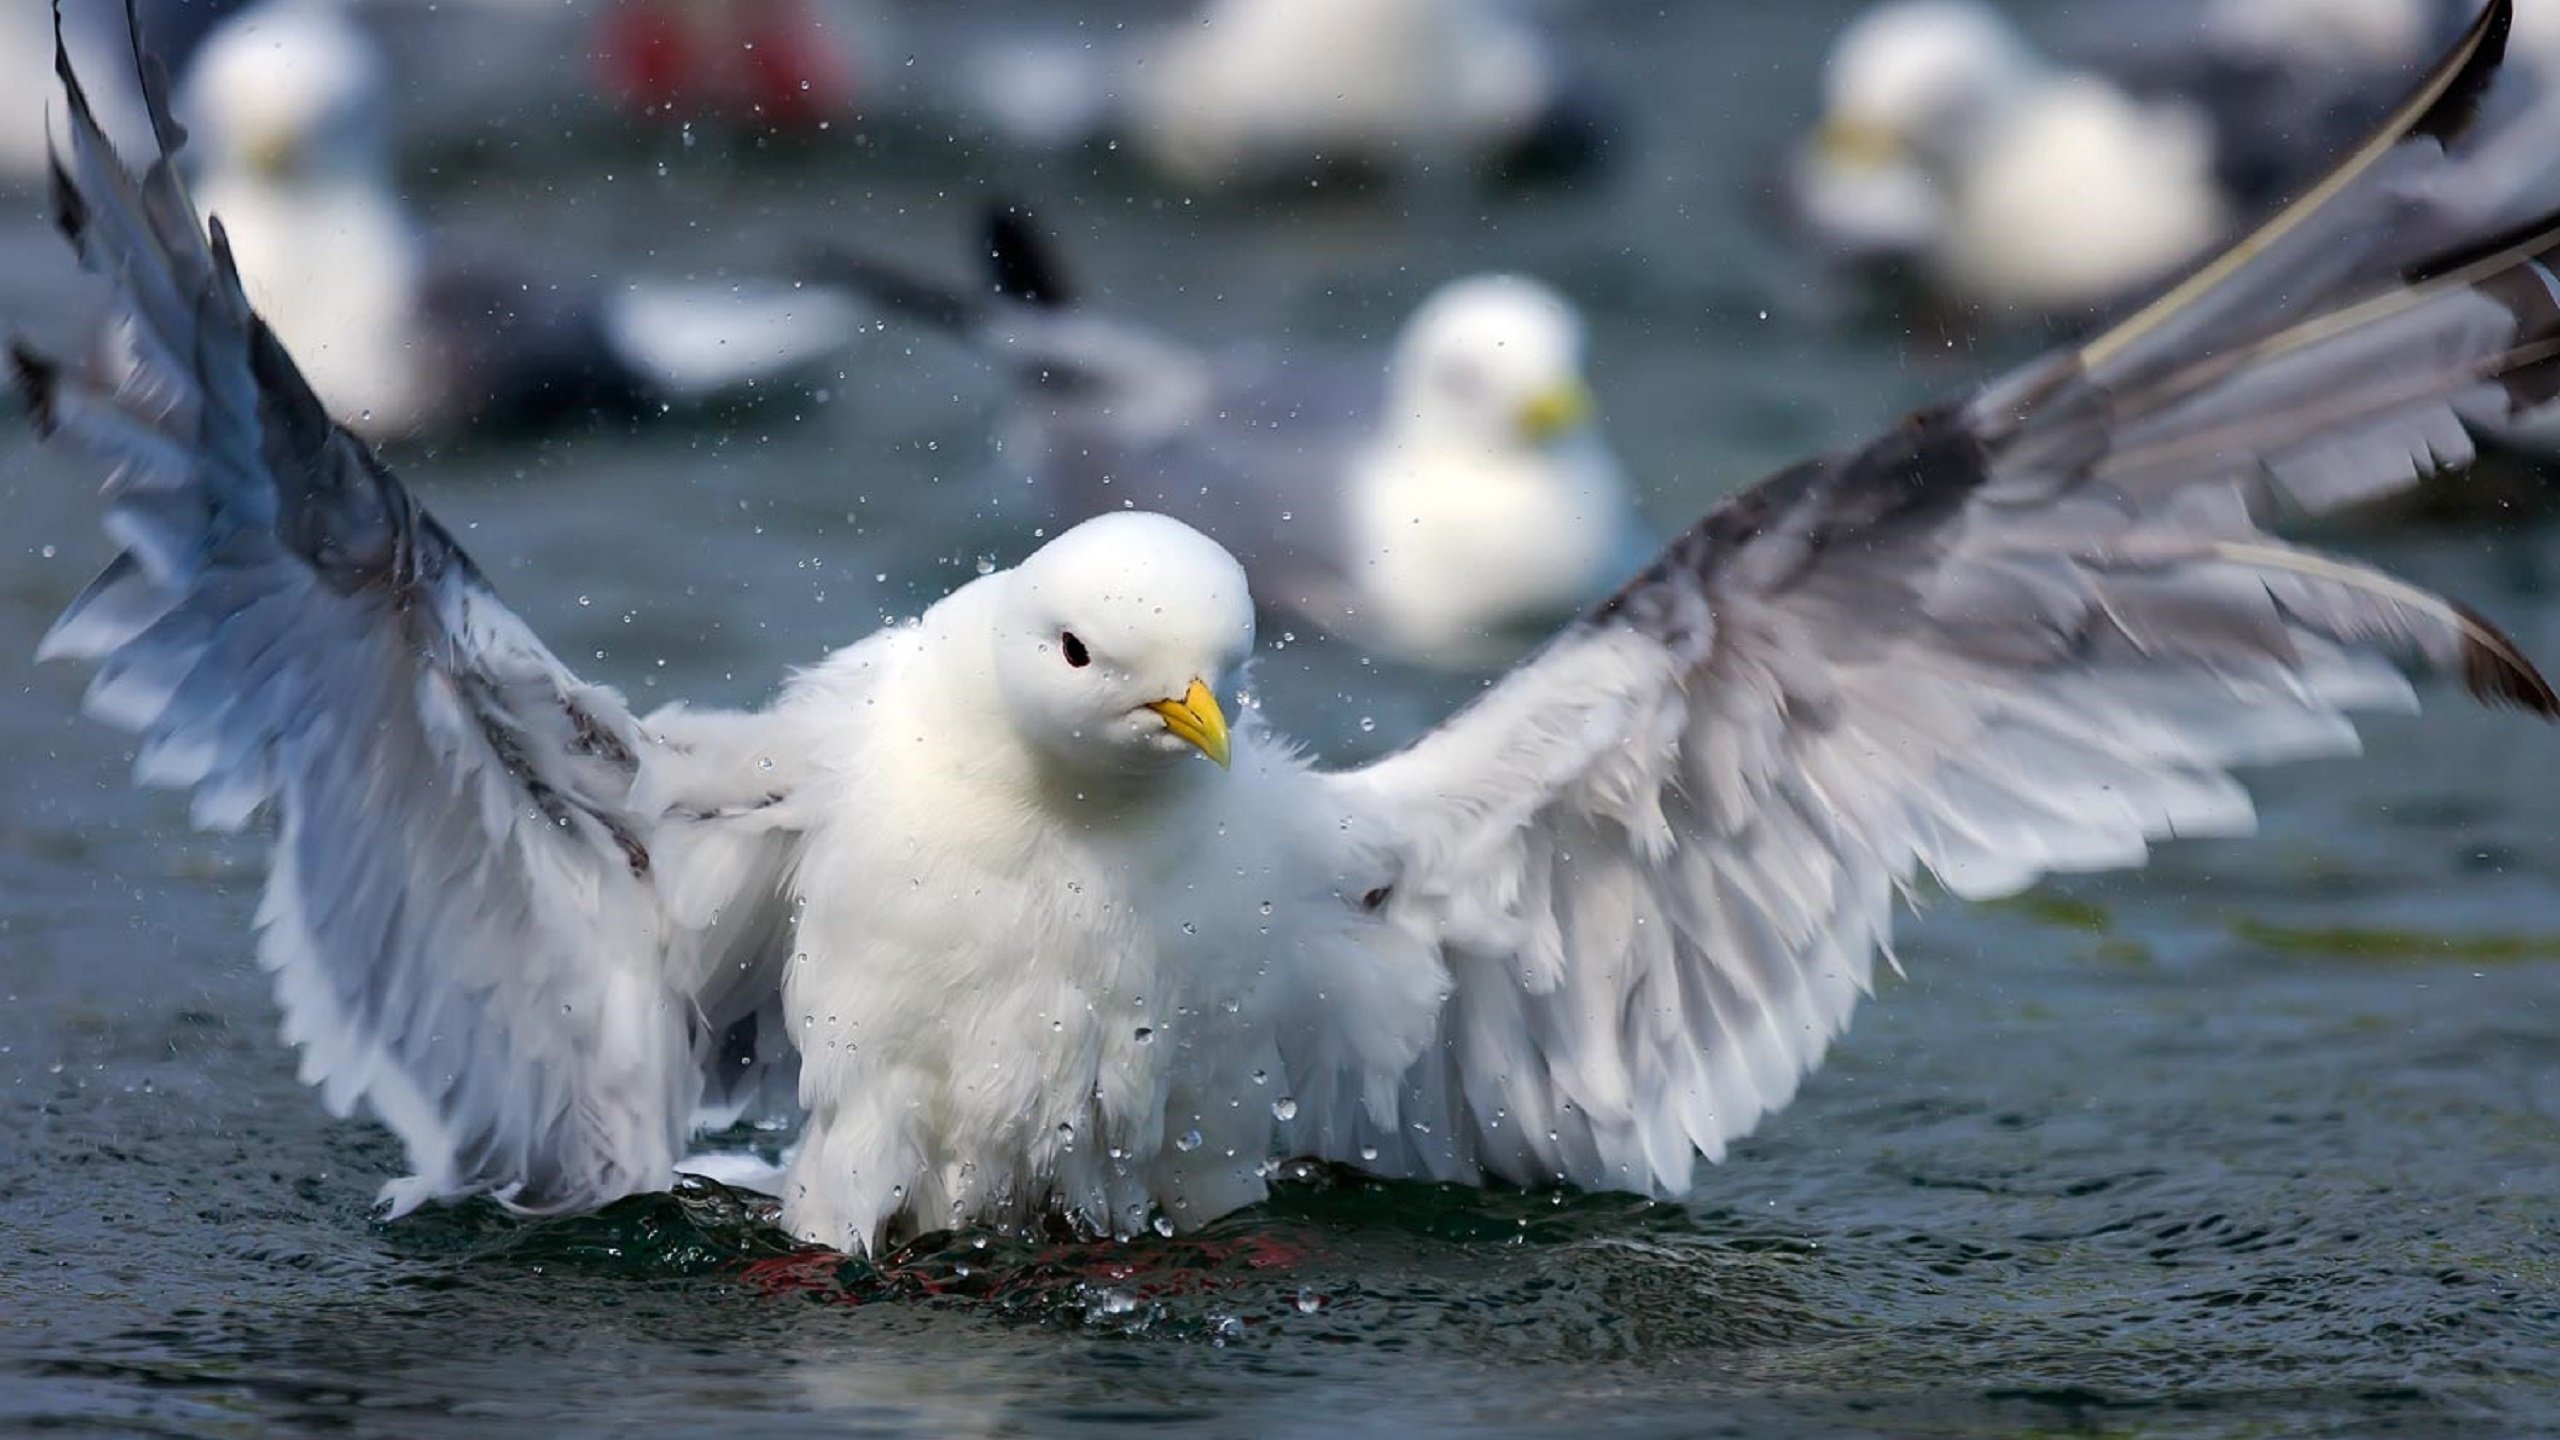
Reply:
x=462, y=916
x=2024, y=633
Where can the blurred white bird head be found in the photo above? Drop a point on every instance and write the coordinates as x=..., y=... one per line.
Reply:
x=1492, y=362
x=1919, y=79
x=288, y=89
x=1114, y=639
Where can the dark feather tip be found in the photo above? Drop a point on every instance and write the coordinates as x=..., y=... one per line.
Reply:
x=70, y=209
x=165, y=129
x=2496, y=672
x=1026, y=267
x=77, y=97
x=39, y=379
x=218, y=240
x=2451, y=116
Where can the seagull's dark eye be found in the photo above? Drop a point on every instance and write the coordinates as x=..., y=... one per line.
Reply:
x=1073, y=648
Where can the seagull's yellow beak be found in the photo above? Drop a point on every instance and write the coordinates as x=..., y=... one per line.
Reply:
x=1852, y=143
x=272, y=151
x=1556, y=412
x=1196, y=718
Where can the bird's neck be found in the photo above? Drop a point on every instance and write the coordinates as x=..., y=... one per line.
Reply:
x=960, y=708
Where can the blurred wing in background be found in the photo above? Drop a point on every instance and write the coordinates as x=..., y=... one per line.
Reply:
x=462, y=915
x=2028, y=632
x=1239, y=442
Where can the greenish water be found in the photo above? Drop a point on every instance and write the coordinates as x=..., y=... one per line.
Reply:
x=2263, y=1142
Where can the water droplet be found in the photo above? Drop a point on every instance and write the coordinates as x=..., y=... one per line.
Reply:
x=1188, y=1140
x=1368, y=1152
x=1261, y=1077
x=1266, y=907
x=1164, y=1226
x=1145, y=1035
x=1368, y=723
x=1309, y=1302
x=1284, y=1109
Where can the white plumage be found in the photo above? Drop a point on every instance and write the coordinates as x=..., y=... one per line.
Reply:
x=1031, y=954
x=2017, y=184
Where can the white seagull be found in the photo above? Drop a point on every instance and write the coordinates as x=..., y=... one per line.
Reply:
x=2015, y=184
x=1445, y=505
x=1036, y=956
x=399, y=335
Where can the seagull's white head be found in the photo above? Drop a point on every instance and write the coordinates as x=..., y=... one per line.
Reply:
x=1918, y=80
x=1114, y=639
x=1492, y=363
x=286, y=89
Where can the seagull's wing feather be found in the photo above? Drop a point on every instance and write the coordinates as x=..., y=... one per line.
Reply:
x=460, y=915
x=2025, y=633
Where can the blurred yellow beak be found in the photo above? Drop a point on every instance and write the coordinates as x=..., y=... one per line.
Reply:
x=1196, y=718
x=1851, y=143
x=270, y=153
x=1557, y=412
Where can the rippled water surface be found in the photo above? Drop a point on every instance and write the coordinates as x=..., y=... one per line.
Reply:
x=2263, y=1142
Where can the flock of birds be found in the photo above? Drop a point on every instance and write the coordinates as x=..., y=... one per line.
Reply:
x=1003, y=913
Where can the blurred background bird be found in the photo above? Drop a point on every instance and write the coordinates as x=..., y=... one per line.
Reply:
x=1949, y=144
x=1444, y=505
x=2009, y=181
x=404, y=334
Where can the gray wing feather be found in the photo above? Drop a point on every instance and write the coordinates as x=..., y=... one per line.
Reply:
x=460, y=914
x=2026, y=633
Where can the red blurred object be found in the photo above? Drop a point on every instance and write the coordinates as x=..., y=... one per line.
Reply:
x=773, y=63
